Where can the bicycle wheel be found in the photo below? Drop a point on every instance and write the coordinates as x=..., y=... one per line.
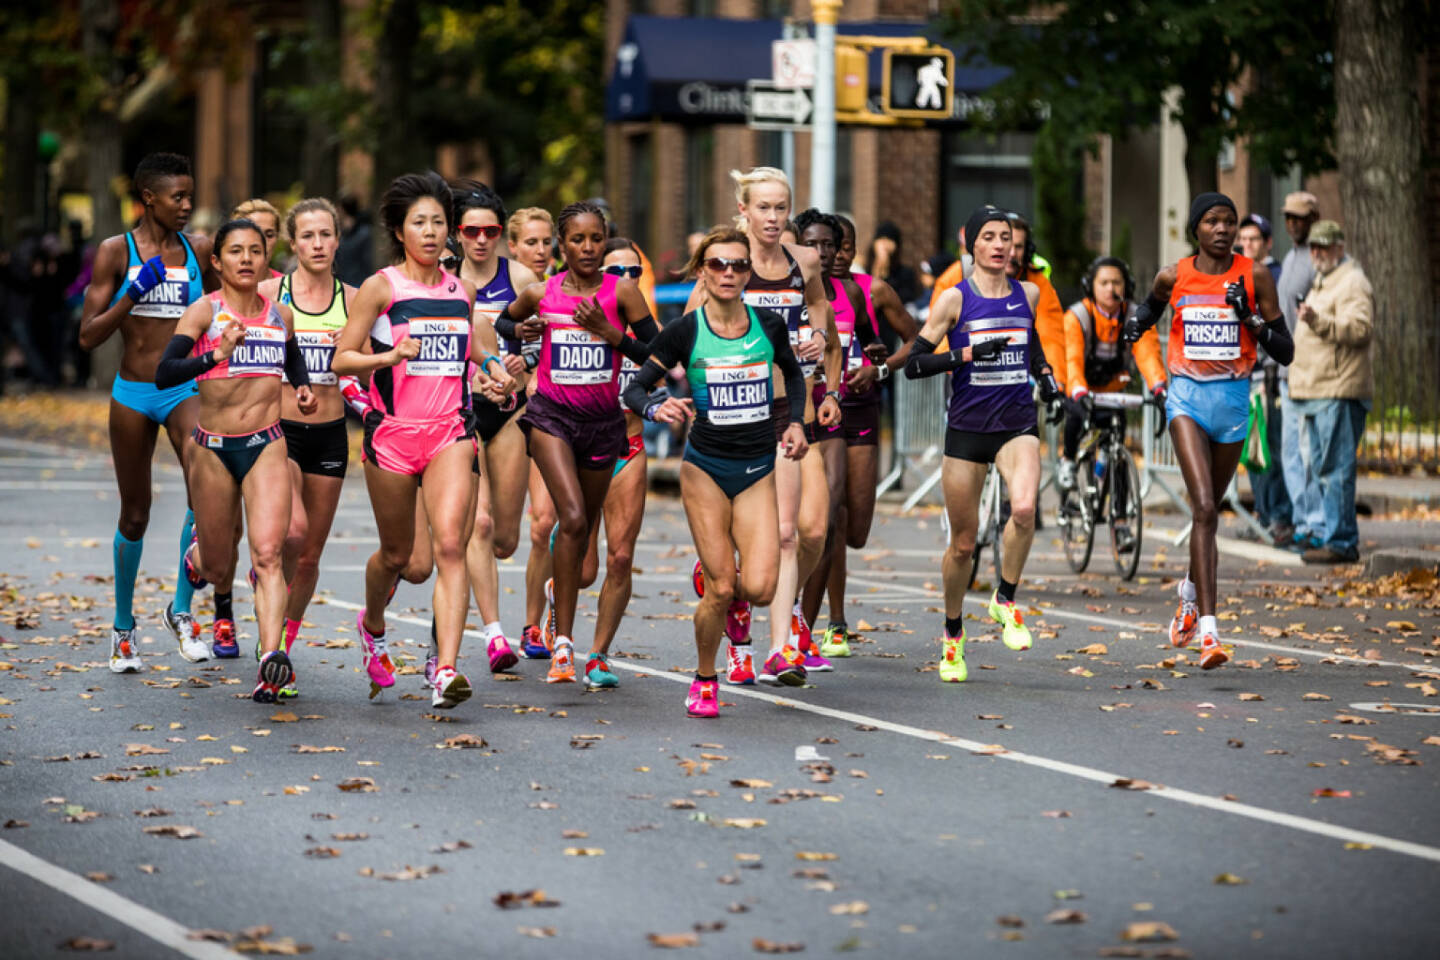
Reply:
x=986, y=528
x=1077, y=525
x=1126, y=513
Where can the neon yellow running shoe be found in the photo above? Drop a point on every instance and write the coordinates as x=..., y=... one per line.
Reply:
x=1016, y=634
x=952, y=661
x=835, y=642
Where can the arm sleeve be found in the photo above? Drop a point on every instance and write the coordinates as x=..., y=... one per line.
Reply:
x=295, y=369
x=779, y=335
x=1275, y=338
x=925, y=362
x=505, y=327
x=670, y=346
x=177, y=366
x=637, y=394
x=633, y=349
x=1038, y=364
x=646, y=330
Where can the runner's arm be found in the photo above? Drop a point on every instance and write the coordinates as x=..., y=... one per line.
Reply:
x=669, y=347
x=1274, y=336
x=98, y=320
x=923, y=360
x=350, y=356
x=887, y=304
x=517, y=311
x=176, y=365
x=779, y=335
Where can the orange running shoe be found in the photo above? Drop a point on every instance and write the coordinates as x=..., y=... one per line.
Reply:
x=1182, y=627
x=1211, y=653
x=562, y=663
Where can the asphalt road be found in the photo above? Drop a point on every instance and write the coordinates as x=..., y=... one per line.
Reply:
x=879, y=812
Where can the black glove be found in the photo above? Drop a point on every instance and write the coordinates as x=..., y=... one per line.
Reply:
x=1080, y=407
x=1049, y=387
x=1236, y=297
x=988, y=350
x=1145, y=316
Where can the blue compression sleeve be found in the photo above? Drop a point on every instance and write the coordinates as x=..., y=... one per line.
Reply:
x=183, y=590
x=127, y=568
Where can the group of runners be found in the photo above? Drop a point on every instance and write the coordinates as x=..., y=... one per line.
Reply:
x=483, y=381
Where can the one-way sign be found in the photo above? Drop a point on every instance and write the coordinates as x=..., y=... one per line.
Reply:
x=768, y=108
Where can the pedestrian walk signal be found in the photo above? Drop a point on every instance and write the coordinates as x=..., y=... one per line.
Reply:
x=918, y=83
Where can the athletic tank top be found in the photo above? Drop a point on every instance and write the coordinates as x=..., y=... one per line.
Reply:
x=181, y=287
x=261, y=354
x=730, y=379
x=433, y=385
x=496, y=296
x=785, y=296
x=577, y=368
x=314, y=331
x=993, y=396
x=856, y=357
x=1207, y=341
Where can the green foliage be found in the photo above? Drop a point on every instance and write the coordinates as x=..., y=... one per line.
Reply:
x=1058, y=165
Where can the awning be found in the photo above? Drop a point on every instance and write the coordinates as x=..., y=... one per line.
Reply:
x=695, y=68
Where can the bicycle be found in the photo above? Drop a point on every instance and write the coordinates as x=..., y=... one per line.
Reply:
x=1107, y=486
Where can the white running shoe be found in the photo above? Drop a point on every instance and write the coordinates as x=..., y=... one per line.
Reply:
x=186, y=632
x=124, y=651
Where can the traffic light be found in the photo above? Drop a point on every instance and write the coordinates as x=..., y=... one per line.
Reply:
x=918, y=83
x=852, y=78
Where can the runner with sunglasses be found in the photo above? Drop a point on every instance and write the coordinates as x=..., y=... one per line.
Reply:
x=729, y=351
x=788, y=280
x=530, y=235
x=573, y=423
x=500, y=499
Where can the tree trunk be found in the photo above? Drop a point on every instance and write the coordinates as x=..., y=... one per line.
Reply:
x=1378, y=145
x=22, y=127
x=103, y=155
x=319, y=151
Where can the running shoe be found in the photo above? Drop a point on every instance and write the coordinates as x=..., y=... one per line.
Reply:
x=740, y=665
x=376, y=655
x=1182, y=626
x=548, y=634
x=784, y=668
x=814, y=662
x=1015, y=634
x=289, y=690
x=286, y=642
x=737, y=622
x=697, y=580
x=562, y=663
x=450, y=688
x=835, y=641
x=192, y=566
x=224, y=646
x=952, y=660
x=274, y=673
x=1211, y=653
x=800, y=630
x=598, y=675
x=501, y=656
x=532, y=644
x=703, y=700
x=186, y=632
x=124, y=651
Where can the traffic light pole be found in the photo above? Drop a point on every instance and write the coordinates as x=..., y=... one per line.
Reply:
x=822, y=137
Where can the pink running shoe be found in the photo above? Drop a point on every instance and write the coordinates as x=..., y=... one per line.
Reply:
x=703, y=700
x=376, y=655
x=501, y=656
x=737, y=622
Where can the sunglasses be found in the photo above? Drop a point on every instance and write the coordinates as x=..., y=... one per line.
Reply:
x=620, y=270
x=721, y=264
x=491, y=231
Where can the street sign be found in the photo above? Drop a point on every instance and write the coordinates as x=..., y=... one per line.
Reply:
x=768, y=108
x=918, y=83
x=792, y=64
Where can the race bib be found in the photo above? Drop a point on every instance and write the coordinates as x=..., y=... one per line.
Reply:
x=167, y=300
x=1211, y=332
x=578, y=358
x=444, y=347
x=490, y=311
x=802, y=334
x=319, y=352
x=1007, y=369
x=783, y=302
x=262, y=354
x=854, y=359
x=739, y=392
x=628, y=369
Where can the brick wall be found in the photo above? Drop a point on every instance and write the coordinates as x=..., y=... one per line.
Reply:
x=907, y=188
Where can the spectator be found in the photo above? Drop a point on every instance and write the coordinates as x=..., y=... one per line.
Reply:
x=885, y=259
x=1049, y=315
x=26, y=268
x=1296, y=271
x=1331, y=386
x=354, y=260
x=1272, y=498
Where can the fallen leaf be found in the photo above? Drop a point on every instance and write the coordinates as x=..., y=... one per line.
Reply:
x=744, y=823
x=751, y=784
x=1010, y=920
x=1094, y=649
x=451, y=846
x=87, y=944
x=463, y=741
x=1330, y=792
x=142, y=750
x=673, y=941
x=358, y=785
x=98, y=876
x=762, y=945
x=506, y=900
x=1315, y=696
x=323, y=853
x=1230, y=880
x=811, y=856
x=1055, y=814
x=539, y=933
x=411, y=873
x=1250, y=697
x=307, y=748
x=584, y=852
x=1066, y=916
x=1127, y=783
x=175, y=830
x=1150, y=931
x=853, y=908
x=1401, y=625
x=284, y=716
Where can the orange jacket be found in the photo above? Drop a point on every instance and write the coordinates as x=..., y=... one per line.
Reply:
x=1105, y=335
x=1049, y=315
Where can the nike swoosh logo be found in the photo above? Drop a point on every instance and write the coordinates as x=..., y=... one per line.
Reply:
x=601, y=457
x=865, y=432
x=755, y=469
x=750, y=344
x=1013, y=306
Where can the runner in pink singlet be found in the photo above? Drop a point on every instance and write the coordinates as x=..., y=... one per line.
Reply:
x=573, y=423
x=416, y=320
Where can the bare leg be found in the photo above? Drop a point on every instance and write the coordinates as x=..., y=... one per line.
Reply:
x=1019, y=465
x=624, y=513
x=962, y=481
x=266, y=491
x=449, y=494
x=540, y=566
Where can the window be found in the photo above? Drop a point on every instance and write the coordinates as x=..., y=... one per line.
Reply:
x=642, y=176
x=699, y=178
x=986, y=168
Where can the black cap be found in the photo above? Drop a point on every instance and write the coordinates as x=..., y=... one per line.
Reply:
x=1206, y=201
x=978, y=219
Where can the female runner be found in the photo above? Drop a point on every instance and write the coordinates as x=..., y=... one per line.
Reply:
x=573, y=423
x=530, y=233
x=263, y=214
x=318, y=444
x=988, y=324
x=624, y=509
x=237, y=344
x=1213, y=332
x=793, y=289
x=142, y=283
x=865, y=369
x=417, y=321
x=729, y=351
x=479, y=214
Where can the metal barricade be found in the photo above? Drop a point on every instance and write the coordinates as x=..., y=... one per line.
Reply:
x=918, y=438
x=1161, y=466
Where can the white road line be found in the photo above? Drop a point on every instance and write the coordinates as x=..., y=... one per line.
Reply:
x=936, y=596
x=157, y=927
x=1232, y=807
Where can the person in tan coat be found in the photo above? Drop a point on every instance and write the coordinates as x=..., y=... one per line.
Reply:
x=1331, y=385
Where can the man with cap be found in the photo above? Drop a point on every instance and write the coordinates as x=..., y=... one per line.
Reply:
x=1331, y=386
x=1272, y=499
x=1301, y=210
